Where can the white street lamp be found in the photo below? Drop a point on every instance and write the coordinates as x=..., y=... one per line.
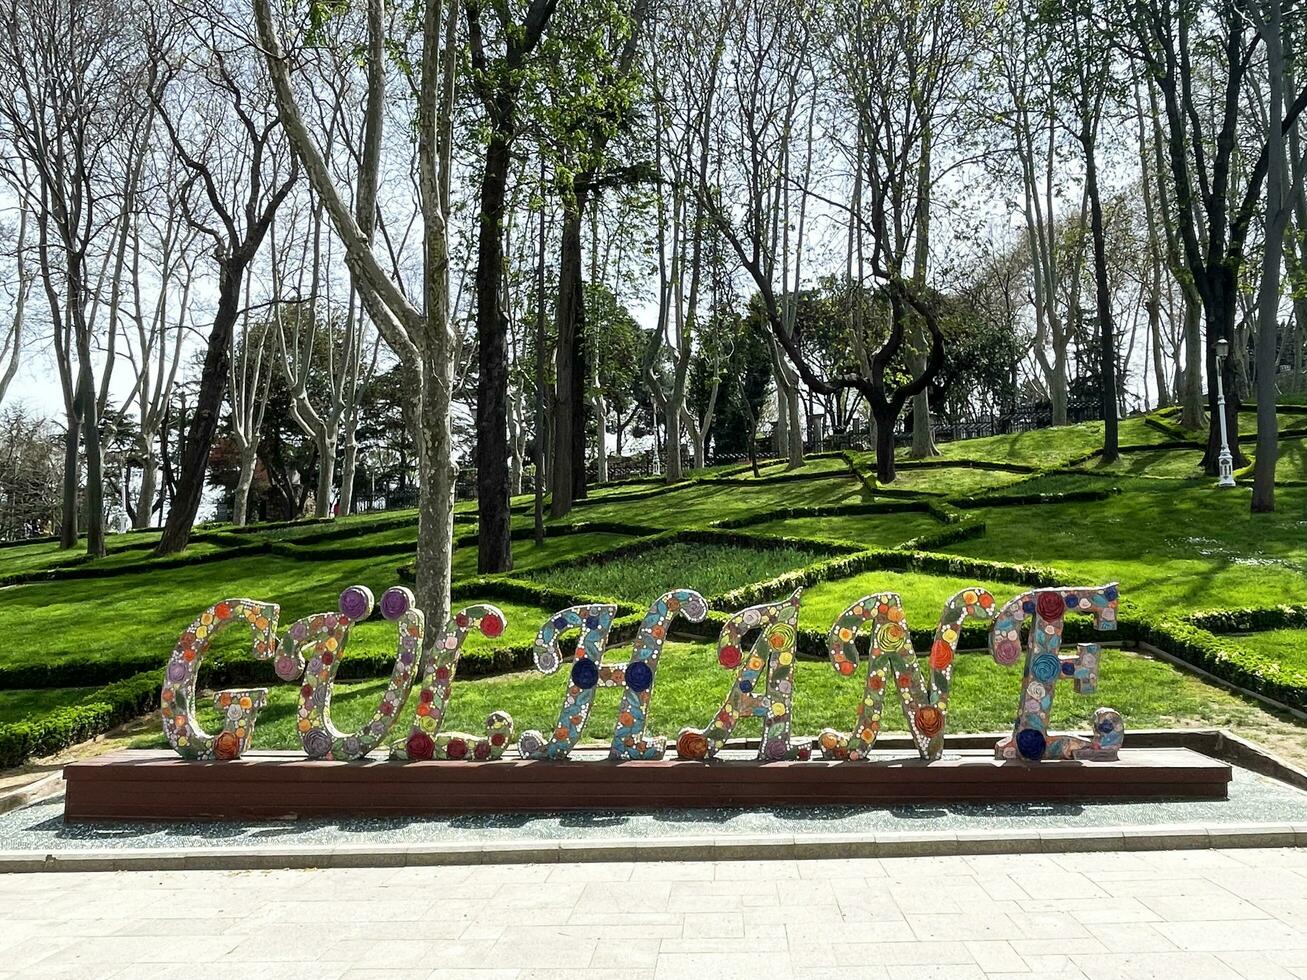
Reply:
x=1224, y=462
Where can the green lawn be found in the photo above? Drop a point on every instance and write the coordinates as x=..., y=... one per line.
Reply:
x=1287, y=646
x=953, y=481
x=868, y=530
x=710, y=569
x=697, y=505
x=1175, y=546
x=691, y=686
x=923, y=595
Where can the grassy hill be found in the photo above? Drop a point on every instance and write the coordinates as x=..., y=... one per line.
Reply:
x=82, y=643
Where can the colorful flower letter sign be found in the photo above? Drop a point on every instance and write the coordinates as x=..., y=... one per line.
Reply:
x=759, y=644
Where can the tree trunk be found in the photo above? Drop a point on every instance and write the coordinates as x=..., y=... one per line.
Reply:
x=94, y=460
x=349, y=466
x=1277, y=218
x=1103, y=299
x=884, y=449
x=326, y=478
x=1191, y=405
x=1218, y=312
x=149, y=484
x=240, y=507
x=569, y=401
x=923, y=434
x=494, y=519
x=1057, y=391
x=601, y=434
x=435, y=493
x=205, y=419
x=68, y=527
x=794, y=451
x=673, y=425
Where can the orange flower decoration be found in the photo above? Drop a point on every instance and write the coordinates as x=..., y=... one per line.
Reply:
x=941, y=655
x=227, y=746
x=930, y=720
x=692, y=745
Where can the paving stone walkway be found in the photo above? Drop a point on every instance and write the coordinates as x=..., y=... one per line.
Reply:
x=1175, y=914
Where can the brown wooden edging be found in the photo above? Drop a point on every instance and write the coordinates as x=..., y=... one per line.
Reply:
x=158, y=785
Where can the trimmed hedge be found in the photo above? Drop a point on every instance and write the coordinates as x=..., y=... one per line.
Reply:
x=825, y=510
x=96, y=714
x=1225, y=659
x=1254, y=620
x=1167, y=426
x=952, y=534
x=946, y=463
x=84, y=571
x=1024, y=499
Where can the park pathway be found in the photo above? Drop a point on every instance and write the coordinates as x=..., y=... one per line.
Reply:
x=1176, y=914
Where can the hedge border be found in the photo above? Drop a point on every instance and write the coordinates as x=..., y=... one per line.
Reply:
x=1249, y=620
x=94, y=715
x=1227, y=660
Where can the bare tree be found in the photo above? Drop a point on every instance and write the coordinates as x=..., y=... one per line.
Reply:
x=11, y=332
x=239, y=173
x=249, y=383
x=1215, y=198
x=76, y=135
x=420, y=333
x=155, y=351
x=1282, y=186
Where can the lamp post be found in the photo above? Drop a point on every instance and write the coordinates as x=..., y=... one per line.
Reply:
x=1224, y=462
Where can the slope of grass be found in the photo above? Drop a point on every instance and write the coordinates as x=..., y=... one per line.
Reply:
x=696, y=506
x=1175, y=547
x=868, y=530
x=709, y=569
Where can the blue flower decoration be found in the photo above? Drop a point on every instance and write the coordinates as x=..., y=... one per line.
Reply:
x=1069, y=669
x=639, y=677
x=560, y=623
x=591, y=622
x=746, y=686
x=1110, y=592
x=1104, y=727
x=1072, y=601
x=585, y=674
x=1028, y=606
x=1045, y=667
x=1030, y=744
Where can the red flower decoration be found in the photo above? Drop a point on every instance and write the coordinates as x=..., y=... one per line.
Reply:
x=729, y=657
x=456, y=749
x=1050, y=606
x=420, y=746
x=491, y=626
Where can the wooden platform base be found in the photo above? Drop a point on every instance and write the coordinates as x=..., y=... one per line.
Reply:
x=157, y=785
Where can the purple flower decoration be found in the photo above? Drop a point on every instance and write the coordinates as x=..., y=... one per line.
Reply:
x=317, y=743
x=396, y=602
x=356, y=602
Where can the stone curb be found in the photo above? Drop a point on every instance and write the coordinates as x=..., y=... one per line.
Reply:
x=804, y=847
x=48, y=785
